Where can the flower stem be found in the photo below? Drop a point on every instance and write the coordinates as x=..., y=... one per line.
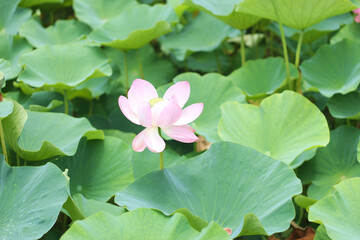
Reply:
x=162, y=160
x=126, y=71
x=141, y=69
x=286, y=56
x=3, y=142
x=243, y=56
x=66, y=106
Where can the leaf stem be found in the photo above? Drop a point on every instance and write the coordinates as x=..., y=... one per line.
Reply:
x=126, y=71
x=162, y=160
x=217, y=61
x=298, y=49
x=141, y=69
x=66, y=106
x=243, y=56
x=3, y=143
x=17, y=160
x=286, y=56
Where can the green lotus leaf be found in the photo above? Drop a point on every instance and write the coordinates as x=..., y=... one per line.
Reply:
x=92, y=88
x=156, y=70
x=194, y=37
x=5, y=69
x=316, y=31
x=226, y=12
x=97, y=12
x=58, y=66
x=139, y=223
x=216, y=61
x=345, y=106
x=99, y=169
x=32, y=3
x=63, y=32
x=12, y=47
x=77, y=207
x=350, y=31
x=12, y=17
x=334, y=68
x=261, y=76
x=45, y=101
x=31, y=199
x=284, y=126
x=233, y=185
x=304, y=201
x=129, y=31
x=304, y=156
x=334, y=163
x=339, y=212
x=297, y=13
x=6, y=108
x=358, y=150
x=42, y=135
x=206, y=124
x=321, y=233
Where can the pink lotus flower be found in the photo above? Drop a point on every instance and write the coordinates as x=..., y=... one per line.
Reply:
x=144, y=107
x=357, y=17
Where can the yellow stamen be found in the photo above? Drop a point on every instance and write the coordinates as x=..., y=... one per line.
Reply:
x=155, y=101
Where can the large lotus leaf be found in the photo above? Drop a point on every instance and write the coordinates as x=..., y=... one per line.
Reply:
x=12, y=17
x=207, y=123
x=129, y=31
x=96, y=12
x=63, y=32
x=12, y=47
x=140, y=224
x=316, y=31
x=226, y=12
x=42, y=135
x=156, y=70
x=233, y=185
x=262, y=76
x=99, y=169
x=196, y=38
x=58, y=66
x=334, y=68
x=334, y=163
x=298, y=14
x=340, y=211
x=31, y=199
x=345, y=106
x=282, y=127
x=6, y=108
x=350, y=31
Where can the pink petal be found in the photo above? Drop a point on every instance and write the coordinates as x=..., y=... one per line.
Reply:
x=144, y=114
x=165, y=113
x=190, y=113
x=139, y=92
x=127, y=111
x=153, y=140
x=357, y=11
x=183, y=133
x=138, y=143
x=357, y=18
x=178, y=93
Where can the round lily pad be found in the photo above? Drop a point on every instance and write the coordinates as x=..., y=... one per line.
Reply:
x=297, y=14
x=141, y=224
x=12, y=17
x=62, y=32
x=339, y=212
x=282, y=127
x=194, y=37
x=42, y=135
x=262, y=76
x=233, y=185
x=58, y=66
x=99, y=169
x=128, y=31
x=334, y=163
x=207, y=122
x=334, y=68
x=31, y=200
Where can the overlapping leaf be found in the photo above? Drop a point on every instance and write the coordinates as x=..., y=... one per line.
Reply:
x=345, y=106
x=233, y=185
x=12, y=17
x=31, y=199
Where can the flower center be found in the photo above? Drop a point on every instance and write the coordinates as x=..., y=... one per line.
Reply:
x=155, y=101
